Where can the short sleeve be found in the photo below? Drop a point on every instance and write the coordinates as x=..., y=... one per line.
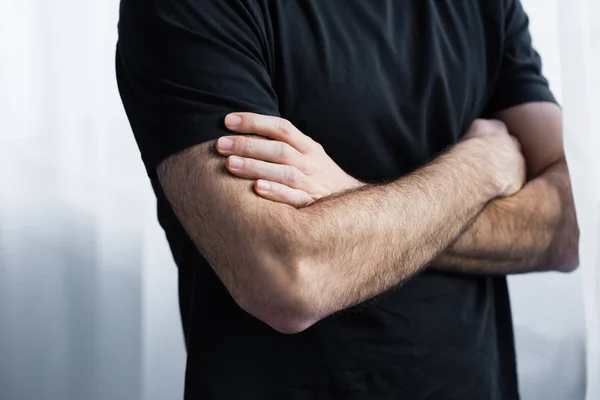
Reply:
x=520, y=79
x=182, y=66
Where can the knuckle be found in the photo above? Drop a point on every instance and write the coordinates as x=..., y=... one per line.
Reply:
x=488, y=127
x=246, y=145
x=304, y=163
x=253, y=123
x=516, y=143
x=284, y=153
x=317, y=146
x=499, y=125
x=284, y=126
x=478, y=125
x=292, y=176
x=249, y=121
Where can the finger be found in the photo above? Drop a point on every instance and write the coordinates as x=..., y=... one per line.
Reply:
x=259, y=149
x=255, y=169
x=282, y=193
x=272, y=127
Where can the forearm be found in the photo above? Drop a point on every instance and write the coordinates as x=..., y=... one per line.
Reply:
x=292, y=267
x=360, y=244
x=534, y=230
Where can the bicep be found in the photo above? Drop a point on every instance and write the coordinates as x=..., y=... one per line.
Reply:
x=521, y=95
x=538, y=127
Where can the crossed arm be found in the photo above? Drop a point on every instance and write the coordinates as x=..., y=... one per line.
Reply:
x=291, y=267
x=534, y=230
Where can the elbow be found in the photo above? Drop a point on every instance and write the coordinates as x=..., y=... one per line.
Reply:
x=280, y=297
x=289, y=321
x=570, y=260
x=565, y=252
x=280, y=284
x=569, y=264
x=566, y=261
x=284, y=307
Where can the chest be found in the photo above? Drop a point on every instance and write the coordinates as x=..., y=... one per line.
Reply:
x=387, y=82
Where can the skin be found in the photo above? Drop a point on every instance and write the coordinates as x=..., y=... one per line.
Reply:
x=291, y=267
x=534, y=230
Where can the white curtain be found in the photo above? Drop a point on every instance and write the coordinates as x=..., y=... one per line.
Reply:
x=555, y=315
x=88, y=300
x=88, y=297
x=579, y=32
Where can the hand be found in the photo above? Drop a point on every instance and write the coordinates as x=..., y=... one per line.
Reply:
x=292, y=168
x=504, y=153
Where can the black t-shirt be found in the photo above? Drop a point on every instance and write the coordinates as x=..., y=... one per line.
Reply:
x=383, y=85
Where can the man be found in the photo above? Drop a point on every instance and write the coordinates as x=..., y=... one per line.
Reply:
x=414, y=158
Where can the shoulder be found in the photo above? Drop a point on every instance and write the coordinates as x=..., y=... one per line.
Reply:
x=182, y=65
x=176, y=37
x=192, y=16
x=500, y=13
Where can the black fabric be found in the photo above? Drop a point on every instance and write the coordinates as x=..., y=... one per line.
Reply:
x=383, y=85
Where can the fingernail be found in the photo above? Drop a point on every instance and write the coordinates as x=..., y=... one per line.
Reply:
x=225, y=143
x=263, y=186
x=235, y=162
x=233, y=120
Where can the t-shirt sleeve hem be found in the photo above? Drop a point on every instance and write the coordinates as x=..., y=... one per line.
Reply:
x=182, y=135
x=519, y=95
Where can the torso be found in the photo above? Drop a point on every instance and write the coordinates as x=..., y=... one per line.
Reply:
x=383, y=85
